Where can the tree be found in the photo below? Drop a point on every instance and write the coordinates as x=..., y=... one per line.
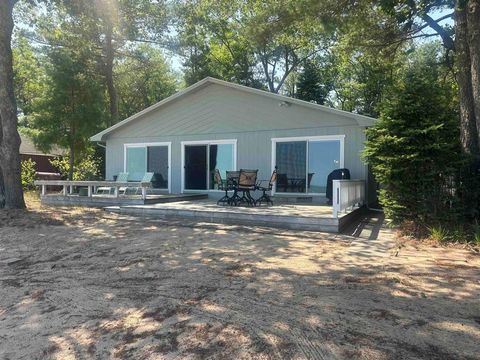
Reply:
x=9, y=137
x=254, y=43
x=143, y=78
x=112, y=26
x=414, y=148
x=29, y=78
x=381, y=25
x=73, y=108
x=316, y=81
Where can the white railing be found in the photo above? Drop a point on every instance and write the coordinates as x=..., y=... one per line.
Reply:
x=91, y=186
x=347, y=195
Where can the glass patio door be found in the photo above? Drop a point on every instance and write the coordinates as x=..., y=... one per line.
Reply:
x=291, y=166
x=196, y=167
x=202, y=159
x=157, y=162
x=303, y=165
x=140, y=159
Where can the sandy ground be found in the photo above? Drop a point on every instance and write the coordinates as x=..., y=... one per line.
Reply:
x=84, y=284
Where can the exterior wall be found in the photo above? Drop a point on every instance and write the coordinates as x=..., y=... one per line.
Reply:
x=42, y=163
x=218, y=113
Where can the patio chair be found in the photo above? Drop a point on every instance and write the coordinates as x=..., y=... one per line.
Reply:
x=247, y=181
x=232, y=183
x=222, y=185
x=147, y=178
x=121, y=178
x=265, y=197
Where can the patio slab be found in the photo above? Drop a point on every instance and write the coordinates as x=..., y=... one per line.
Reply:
x=287, y=216
x=110, y=200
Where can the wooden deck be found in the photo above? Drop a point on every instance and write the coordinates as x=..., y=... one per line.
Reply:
x=287, y=216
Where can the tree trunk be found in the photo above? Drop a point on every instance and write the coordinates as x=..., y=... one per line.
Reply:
x=9, y=138
x=473, y=31
x=2, y=191
x=71, y=160
x=109, y=57
x=468, y=118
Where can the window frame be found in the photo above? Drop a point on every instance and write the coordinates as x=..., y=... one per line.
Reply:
x=307, y=139
x=145, y=146
x=207, y=143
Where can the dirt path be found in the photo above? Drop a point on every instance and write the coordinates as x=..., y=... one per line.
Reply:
x=89, y=285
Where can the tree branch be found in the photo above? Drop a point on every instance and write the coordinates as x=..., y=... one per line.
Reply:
x=447, y=39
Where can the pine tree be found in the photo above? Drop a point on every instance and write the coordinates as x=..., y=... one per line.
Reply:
x=315, y=82
x=414, y=149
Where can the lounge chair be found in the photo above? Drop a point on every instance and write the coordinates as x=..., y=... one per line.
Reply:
x=121, y=178
x=147, y=178
x=265, y=197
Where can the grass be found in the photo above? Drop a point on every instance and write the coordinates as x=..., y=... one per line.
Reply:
x=439, y=233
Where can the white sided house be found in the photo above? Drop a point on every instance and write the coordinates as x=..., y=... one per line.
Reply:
x=215, y=124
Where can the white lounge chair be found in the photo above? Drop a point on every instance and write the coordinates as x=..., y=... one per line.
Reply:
x=147, y=178
x=121, y=178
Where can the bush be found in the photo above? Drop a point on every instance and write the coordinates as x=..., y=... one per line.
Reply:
x=414, y=150
x=28, y=174
x=88, y=168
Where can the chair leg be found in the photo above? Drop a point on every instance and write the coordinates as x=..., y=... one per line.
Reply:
x=235, y=200
x=264, y=198
x=225, y=199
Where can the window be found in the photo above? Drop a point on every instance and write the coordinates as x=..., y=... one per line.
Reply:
x=202, y=158
x=303, y=164
x=136, y=163
x=142, y=158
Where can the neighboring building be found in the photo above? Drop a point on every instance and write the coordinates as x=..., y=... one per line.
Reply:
x=216, y=124
x=44, y=169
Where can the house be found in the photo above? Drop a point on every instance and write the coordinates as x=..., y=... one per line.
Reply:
x=43, y=167
x=215, y=124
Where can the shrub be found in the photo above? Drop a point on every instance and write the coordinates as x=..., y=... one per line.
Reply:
x=28, y=174
x=439, y=233
x=414, y=149
x=88, y=168
x=476, y=233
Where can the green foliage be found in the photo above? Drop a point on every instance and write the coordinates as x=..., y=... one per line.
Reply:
x=88, y=168
x=29, y=78
x=73, y=106
x=143, y=78
x=476, y=233
x=254, y=43
x=439, y=233
x=316, y=80
x=413, y=148
x=28, y=174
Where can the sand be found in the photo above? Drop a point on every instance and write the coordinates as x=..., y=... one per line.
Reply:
x=85, y=284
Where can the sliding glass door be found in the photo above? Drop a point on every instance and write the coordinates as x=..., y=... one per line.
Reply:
x=303, y=164
x=196, y=167
x=201, y=160
x=143, y=158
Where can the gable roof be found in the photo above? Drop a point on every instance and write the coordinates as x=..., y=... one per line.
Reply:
x=27, y=147
x=361, y=120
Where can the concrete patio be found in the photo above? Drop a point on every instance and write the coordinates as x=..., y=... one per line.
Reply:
x=287, y=216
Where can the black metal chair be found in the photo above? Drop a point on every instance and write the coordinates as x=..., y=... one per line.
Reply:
x=231, y=184
x=265, y=197
x=247, y=181
x=222, y=185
